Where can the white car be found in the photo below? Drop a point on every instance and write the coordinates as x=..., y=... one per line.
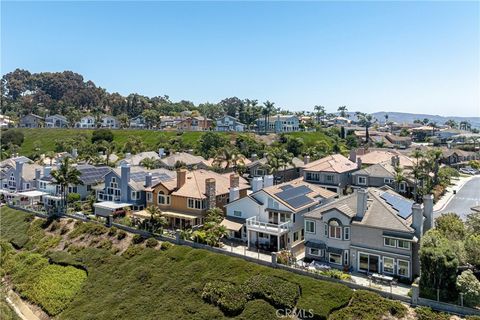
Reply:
x=468, y=171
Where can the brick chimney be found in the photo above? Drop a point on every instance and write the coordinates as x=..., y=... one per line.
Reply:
x=181, y=177
x=210, y=192
x=234, y=180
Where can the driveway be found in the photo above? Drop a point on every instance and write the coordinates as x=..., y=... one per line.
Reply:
x=467, y=196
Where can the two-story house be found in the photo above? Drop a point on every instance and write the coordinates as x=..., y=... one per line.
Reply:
x=331, y=172
x=56, y=121
x=198, y=123
x=373, y=156
x=229, y=124
x=258, y=168
x=19, y=174
x=86, y=122
x=185, y=199
x=278, y=124
x=271, y=217
x=399, y=141
x=31, y=121
x=138, y=122
x=127, y=185
x=110, y=122
x=373, y=230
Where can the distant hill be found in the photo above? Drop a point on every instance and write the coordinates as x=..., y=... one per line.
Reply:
x=402, y=117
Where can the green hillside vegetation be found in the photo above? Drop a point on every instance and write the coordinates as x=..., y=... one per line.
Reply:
x=145, y=283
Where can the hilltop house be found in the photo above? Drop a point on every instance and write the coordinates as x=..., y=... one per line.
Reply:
x=271, y=217
x=138, y=122
x=109, y=122
x=31, y=121
x=229, y=124
x=86, y=122
x=278, y=124
x=331, y=172
x=198, y=123
x=185, y=199
x=56, y=121
x=373, y=230
x=125, y=186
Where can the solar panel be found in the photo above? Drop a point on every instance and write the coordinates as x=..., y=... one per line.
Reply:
x=299, y=201
x=400, y=204
x=293, y=192
x=286, y=187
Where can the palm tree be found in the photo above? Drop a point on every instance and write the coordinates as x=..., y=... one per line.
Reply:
x=366, y=120
x=433, y=124
x=268, y=108
x=124, y=121
x=417, y=154
x=386, y=118
x=51, y=156
x=229, y=156
x=212, y=227
x=451, y=123
x=398, y=177
x=64, y=176
x=320, y=113
x=157, y=221
x=343, y=111
x=149, y=163
x=108, y=147
x=280, y=158
x=434, y=156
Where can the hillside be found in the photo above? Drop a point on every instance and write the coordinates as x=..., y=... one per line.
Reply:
x=402, y=117
x=166, y=282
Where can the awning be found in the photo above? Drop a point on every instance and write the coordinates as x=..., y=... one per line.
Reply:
x=231, y=225
x=335, y=250
x=406, y=236
x=109, y=205
x=316, y=245
x=190, y=216
x=32, y=194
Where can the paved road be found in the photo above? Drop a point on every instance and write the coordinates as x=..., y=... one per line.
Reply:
x=468, y=196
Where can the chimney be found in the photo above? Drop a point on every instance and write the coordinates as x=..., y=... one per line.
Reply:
x=257, y=183
x=306, y=159
x=394, y=161
x=181, y=177
x=362, y=197
x=161, y=152
x=253, y=157
x=268, y=181
x=359, y=163
x=148, y=180
x=428, y=212
x=46, y=171
x=128, y=155
x=234, y=194
x=38, y=173
x=210, y=193
x=417, y=219
x=74, y=153
x=234, y=180
x=124, y=180
x=353, y=156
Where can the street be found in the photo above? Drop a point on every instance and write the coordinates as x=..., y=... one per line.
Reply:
x=468, y=196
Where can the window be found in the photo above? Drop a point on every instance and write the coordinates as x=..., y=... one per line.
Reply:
x=263, y=235
x=293, y=217
x=345, y=257
x=302, y=234
x=403, y=244
x=312, y=176
x=362, y=180
x=149, y=197
x=335, y=231
x=388, y=265
x=315, y=252
x=135, y=195
x=326, y=230
x=346, y=233
x=389, y=242
x=403, y=268
x=388, y=181
x=403, y=187
x=163, y=199
x=329, y=178
x=335, y=258
x=89, y=187
x=113, y=183
x=237, y=213
x=310, y=226
x=195, y=204
x=27, y=186
x=295, y=236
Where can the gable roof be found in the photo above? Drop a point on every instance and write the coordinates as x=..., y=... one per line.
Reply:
x=334, y=163
x=297, y=163
x=92, y=174
x=383, y=169
x=377, y=156
x=135, y=159
x=187, y=158
x=138, y=174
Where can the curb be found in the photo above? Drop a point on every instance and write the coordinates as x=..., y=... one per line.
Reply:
x=451, y=196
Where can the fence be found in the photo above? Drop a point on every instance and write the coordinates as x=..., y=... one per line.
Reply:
x=414, y=300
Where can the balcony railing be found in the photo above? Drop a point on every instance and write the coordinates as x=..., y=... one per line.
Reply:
x=254, y=224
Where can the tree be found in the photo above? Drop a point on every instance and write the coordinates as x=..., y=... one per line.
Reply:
x=451, y=226
x=134, y=145
x=102, y=135
x=294, y=145
x=472, y=247
x=64, y=176
x=417, y=171
x=212, y=227
x=123, y=120
x=319, y=113
x=231, y=105
x=386, y=118
x=152, y=117
x=398, y=178
x=366, y=120
x=343, y=111
x=469, y=286
x=228, y=157
x=473, y=222
x=149, y=163
x=351, y=141
x=73, y=115
x=211, y=110
x=210, y=142
x=268, y=108
x=14, y=137
x=108, y=148
x=157, y=221
x=451, y=123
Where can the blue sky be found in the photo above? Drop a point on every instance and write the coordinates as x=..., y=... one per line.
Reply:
x=393, y=56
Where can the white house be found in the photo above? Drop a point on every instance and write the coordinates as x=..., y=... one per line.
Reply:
x=86, y=122
x=229, y=123
x=110, y=122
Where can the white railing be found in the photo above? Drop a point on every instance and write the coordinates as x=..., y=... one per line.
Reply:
x=254, y=223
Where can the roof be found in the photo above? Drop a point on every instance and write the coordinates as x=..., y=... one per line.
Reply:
x=383, y=169
x=297, y=163
x=32, y=194
x=138, y=174
x=28, y=171
x=91, y=174
x=59, y=116
x=111, y=205
x=232, y=223
x=187, y=158
x=135, y=160
x=210, y=162
x=334, y=163
x=297, y=194
x=194, y=186
x=277, y=117
x=377, y=156
x=379, y=214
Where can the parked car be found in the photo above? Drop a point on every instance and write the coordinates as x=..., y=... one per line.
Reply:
x=468, y=170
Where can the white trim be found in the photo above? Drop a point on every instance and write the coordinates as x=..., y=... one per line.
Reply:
x=403, y=248
x=408, y=268
x=396, y=238
x=345, y=233
x=393, y=265
x=380, y=251
x=360, y=183
x=388, y=245
x=341, y=258
x=314, y=226
x=368, y=254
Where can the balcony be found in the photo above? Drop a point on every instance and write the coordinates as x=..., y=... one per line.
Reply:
x=254, y=224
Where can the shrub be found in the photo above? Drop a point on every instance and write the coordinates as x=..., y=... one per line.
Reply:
x=336, y=274
x=87, y=228
x=48, y=242
x=280, y=293
x=469, y=285
x=121, y=235
x=102, y=135
x=151, y=243
x=132, y=251
x=14, y=137
x=165, y=245
x=73, y=248
x=425, y=313
x=228, y=297
x=63, y=230
x=112, y=232
x=105, y=244
x=137, y=239
x=73, y=197
x=369, y=306
x=54, y=226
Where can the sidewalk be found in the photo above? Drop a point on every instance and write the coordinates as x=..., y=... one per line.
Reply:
x=457, y=185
